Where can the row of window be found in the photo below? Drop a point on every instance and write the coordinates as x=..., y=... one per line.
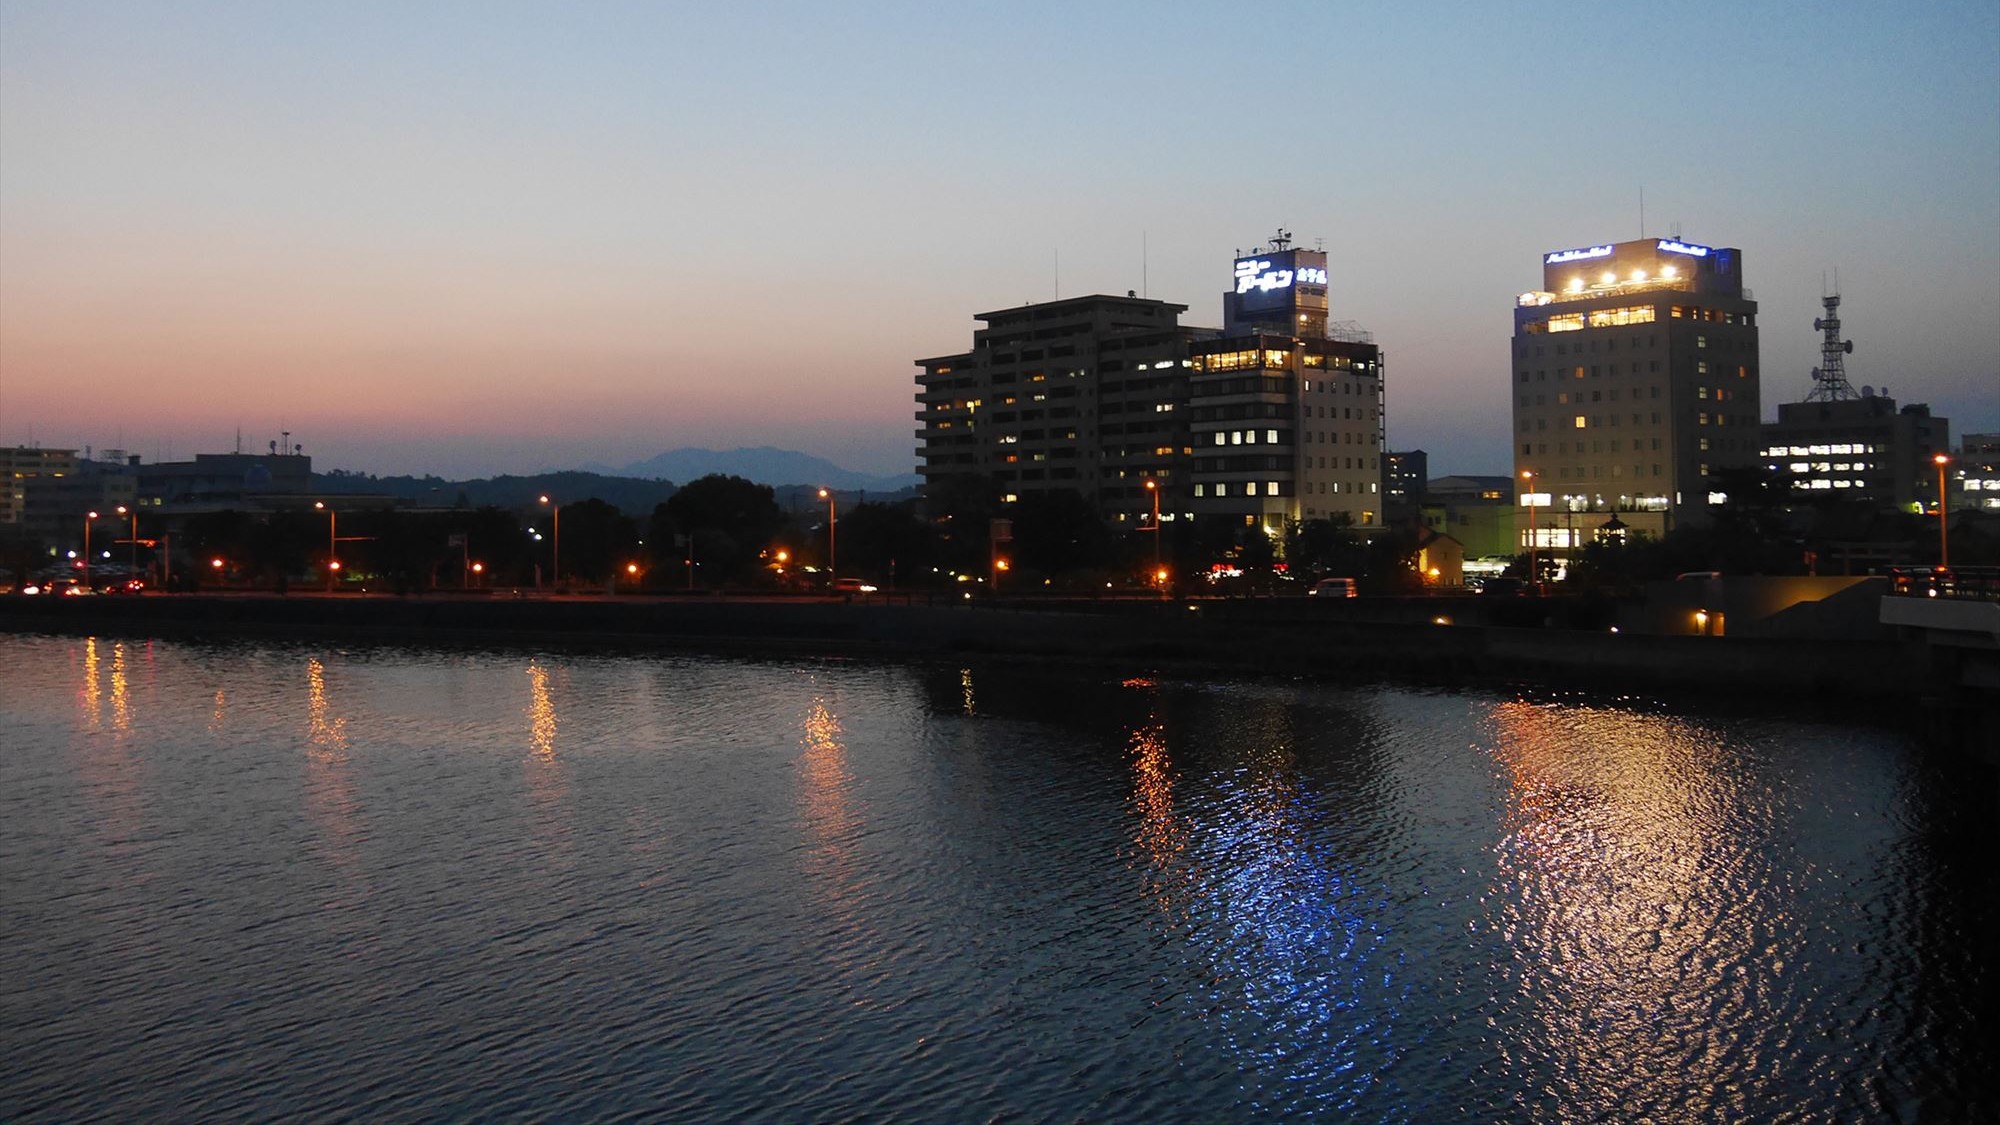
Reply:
x=1600, y=318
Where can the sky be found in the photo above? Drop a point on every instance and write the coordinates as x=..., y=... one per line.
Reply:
x=474, y=238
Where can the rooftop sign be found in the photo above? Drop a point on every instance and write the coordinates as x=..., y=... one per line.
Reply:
x=1675, y=246
x=1579, y=255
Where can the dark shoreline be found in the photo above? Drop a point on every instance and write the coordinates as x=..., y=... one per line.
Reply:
x=1292, y=637
x=1882, y=683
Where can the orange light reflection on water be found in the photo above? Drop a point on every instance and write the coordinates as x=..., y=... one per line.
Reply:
x=1613, y=897
x=330, y=799
x=548, y=782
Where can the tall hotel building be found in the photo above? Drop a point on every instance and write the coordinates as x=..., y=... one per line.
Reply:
x=1286, y=409
x=1268, y=420
x=1635, y=378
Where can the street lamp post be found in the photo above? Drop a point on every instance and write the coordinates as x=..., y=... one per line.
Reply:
x=1534, y=572
x=832, y=557
x=1944, y=540
x=555, y=547
x=133, y=564
x=1153, y=486
x=88, y=519
x=332, y=543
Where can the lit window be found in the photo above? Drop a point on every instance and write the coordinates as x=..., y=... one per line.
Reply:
x=1580, y=422
x=1271, y=436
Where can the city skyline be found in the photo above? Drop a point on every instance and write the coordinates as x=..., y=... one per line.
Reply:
x=466, y=240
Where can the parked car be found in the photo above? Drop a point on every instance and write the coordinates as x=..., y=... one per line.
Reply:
x=1333, y=588
x=1503, y=587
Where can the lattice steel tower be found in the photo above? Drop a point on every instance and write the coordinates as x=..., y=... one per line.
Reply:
x=1830, y=377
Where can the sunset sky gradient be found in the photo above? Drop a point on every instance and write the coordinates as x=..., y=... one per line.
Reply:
x=483, y=237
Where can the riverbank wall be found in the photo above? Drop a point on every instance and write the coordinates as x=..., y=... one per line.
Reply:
x=1427, y=643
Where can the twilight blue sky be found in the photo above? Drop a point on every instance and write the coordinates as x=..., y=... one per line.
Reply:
x=486, y=237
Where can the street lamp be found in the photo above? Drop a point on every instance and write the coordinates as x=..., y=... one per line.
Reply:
x=1944, y=541
x=555, y=547
x=1534, y=573
x=88, y=518
x=133, y=539
x=832, y=558
x=1153, y=487
x=332, y=544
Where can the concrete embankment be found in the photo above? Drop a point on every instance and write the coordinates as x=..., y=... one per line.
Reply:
x=1283, y=636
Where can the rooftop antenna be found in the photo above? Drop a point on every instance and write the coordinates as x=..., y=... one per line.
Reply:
x=1830, y=377
x=239, y=439
x=1281, y=239
x=1144, y=262
x=1058, y=273
x=1642, y=210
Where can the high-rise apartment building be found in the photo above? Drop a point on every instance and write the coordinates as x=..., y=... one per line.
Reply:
x=1086, y=394
x=1634, y=380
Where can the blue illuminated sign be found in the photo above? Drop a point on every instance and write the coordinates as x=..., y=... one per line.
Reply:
x=1256, y=273
x=1561, y=256
x=1673, y=246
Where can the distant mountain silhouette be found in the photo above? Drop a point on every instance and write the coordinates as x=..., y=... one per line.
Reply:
x=763, y=464
x=627, y=495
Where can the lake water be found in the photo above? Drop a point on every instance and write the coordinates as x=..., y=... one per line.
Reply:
x=266, y=880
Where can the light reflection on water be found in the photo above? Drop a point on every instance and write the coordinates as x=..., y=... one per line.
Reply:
x=428, y=884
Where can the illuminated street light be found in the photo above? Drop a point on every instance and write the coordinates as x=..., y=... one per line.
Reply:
x=832, y=558
x=88, y=518
x=1534, y=574
x=1944, y=541
x=555, y=546
x=1153, y=487
x=132, y=539
x=332, y=544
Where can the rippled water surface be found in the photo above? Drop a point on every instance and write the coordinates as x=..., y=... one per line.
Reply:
x=265, y=880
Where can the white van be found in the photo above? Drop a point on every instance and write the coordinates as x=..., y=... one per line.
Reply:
x=1333, y=588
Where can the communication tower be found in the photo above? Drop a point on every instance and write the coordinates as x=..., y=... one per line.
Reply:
x=1830, y=377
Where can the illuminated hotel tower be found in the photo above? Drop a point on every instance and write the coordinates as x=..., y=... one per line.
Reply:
x=1635, y=379
x=1285, y=409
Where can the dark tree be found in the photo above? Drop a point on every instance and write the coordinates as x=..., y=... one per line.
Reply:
x=735, y=521
x=961, y=509
x=1058, y=531
x=884, y=542
x=598, y=541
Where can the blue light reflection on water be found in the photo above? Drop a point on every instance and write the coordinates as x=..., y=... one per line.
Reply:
x=264, y=880
x=1286, y=939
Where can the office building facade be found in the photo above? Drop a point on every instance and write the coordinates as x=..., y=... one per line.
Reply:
x=1274, y=418
x=1635, y=379
x=1860, y=449
x=21, y=464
